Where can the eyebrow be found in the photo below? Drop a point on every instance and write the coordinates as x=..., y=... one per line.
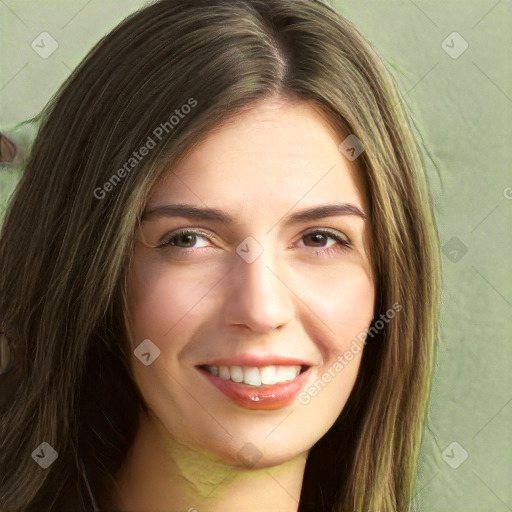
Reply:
x=215, y=215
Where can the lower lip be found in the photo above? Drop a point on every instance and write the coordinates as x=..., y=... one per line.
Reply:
x=268, y=397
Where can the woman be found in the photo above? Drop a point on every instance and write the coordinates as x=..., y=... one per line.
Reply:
x=257, y=371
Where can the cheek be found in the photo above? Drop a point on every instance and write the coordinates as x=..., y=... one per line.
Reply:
x=164, y=308
x=346, y=309
x=344, y=303
x=160, y=300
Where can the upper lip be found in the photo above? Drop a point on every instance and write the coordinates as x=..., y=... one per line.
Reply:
x=256, y=360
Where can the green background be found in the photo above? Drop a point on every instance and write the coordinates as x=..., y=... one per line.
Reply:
x=462, y=107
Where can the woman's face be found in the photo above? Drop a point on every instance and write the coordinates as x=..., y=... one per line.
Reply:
x=259, y=297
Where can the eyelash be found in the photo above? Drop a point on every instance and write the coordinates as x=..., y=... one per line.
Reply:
x=341, y=246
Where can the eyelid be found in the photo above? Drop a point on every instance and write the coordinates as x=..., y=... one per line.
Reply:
x=329, y=231
x=196, y=231
x=342, y=240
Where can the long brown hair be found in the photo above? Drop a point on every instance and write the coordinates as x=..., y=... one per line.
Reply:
x=68, y=237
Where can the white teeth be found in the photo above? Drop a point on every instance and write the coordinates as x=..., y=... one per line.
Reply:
x=253, y=376
x=224, y=372
x=285, y=373
x=268, y=375
x=237, y=374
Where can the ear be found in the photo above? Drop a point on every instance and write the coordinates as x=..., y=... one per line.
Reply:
x=16, y=143
x=8, y=149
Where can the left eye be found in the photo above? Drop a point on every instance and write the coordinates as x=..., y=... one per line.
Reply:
x=186, y=234
x=189, y=237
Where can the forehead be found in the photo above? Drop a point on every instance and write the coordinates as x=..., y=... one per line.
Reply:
x=271, y=156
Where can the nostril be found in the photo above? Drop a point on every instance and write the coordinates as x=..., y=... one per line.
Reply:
x=8, y=150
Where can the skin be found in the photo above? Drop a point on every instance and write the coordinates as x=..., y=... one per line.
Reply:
x=266, y=163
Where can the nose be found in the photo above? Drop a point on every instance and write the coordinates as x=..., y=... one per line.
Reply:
x=258, y=297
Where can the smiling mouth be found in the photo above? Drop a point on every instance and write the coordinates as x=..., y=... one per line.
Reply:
x=262, y=387
x=256, y=376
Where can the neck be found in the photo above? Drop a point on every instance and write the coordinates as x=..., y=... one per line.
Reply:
x=162, y=474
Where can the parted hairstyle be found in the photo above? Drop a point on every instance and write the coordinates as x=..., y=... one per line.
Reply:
x=67, y=242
